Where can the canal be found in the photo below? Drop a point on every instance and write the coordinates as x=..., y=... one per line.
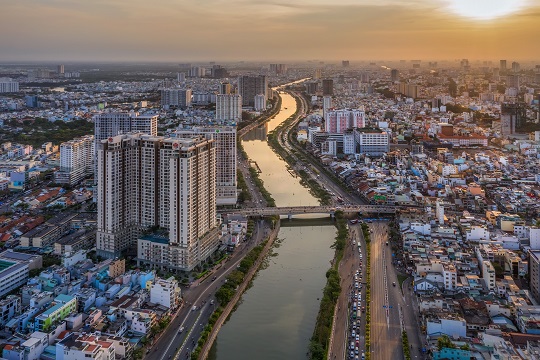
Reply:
x=277, y=315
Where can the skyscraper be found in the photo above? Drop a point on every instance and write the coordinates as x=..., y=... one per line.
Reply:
x=225, y=88
x=345, y=63
x=516, y=67
x=512, y=81
x=513, y=116
x=228, y=107
x=249, y=86
x=328, y=87
x=60, y=69
x=146, y=181
x=225, y=138
x=260, y=102
x=394, y=75
x=502, y=65
x=115, y=123
x=327, y=104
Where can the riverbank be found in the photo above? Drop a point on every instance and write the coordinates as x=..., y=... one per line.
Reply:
x=291, y=159
x=320, y=341
x=241, y=288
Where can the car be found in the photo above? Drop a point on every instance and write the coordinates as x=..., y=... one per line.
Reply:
x=356, y=285
x=353, y=333
x=357, y=337
x=194, y=308
x=394, y=283
x=180, y=330
x=352, y=354
x=363, y=355
x=356, y=350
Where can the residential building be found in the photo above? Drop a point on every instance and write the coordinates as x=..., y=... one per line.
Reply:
x=328, y=87
x=146, y=181
x=116, y=123
x=8, y=85
x=15, y=268
x=225, y=139
x=165, y=292
x=62, y=306
x=260, y=102
x=338, y=121
x=9, y=307
x=488, y=274
x=76, y=160
x=82, y=347
x=176, y=98
x=534, y=273
x=228, y=107
x=250, y=86
x=374, y=142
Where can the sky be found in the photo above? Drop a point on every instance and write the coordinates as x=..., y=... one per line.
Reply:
x=268, y=30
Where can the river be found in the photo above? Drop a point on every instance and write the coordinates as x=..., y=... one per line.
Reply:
x=277, y=315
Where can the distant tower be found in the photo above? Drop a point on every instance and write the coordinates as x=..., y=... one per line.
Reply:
x=60, y=69
x=327, y=104
x=345, y=63
x=439, y=211
x=328, y=87
x=318, y=74
x=502, y=65
x=394, y=74
x=225, y=88
x=181, y=77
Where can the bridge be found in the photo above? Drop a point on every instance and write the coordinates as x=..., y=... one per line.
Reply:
x=297, y=210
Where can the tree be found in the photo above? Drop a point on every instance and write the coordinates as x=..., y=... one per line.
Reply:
x=499, y=271
x=445, y=342
x=465, y=347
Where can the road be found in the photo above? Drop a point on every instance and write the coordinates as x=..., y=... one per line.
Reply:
x=347, y=268
x=199, y=295
x=315, y=169
x=386, y=300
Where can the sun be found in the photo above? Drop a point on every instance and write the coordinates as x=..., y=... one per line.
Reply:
x=485, y=9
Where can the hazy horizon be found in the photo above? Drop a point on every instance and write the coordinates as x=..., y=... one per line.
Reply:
x=252, y=30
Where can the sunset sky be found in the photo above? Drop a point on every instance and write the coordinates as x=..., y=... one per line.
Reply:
x=268, y=30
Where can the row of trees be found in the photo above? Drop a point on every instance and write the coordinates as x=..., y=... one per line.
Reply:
x=318, y=346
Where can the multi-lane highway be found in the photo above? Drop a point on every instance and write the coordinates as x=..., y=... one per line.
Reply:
x=175, y=345
x=386, y=299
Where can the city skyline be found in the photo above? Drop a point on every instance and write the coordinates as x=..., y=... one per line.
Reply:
x=64, y=30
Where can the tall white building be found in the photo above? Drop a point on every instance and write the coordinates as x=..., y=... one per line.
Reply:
x=225, y=137
x=7, y=85
x=338, y=121
x=228, y=107
x=260, y=102
x=146, y=181
x=76, y=159
x=327, y=104
x=176, y=98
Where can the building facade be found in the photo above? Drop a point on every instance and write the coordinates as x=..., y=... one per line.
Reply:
x=7, y=85
x=225, y=138
x=76, y=160
x=176, y=98
x=228, y=107
x=170, y=183
x=250, y=86
x=338, y=121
